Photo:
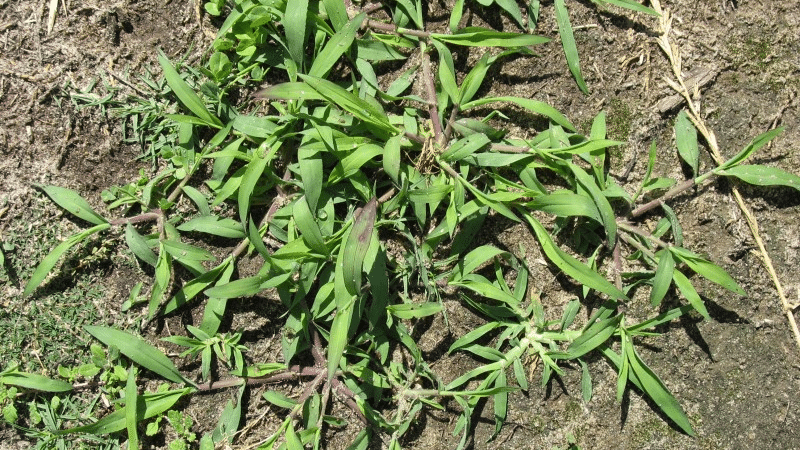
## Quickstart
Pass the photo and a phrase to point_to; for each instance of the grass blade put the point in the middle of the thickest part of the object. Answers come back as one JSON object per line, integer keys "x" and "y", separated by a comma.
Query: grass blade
{"x": 655, "y": 389}
{"x": 336, "y": 47}
{"x": 686, "y": 141}
{"x": 531, "y": 105}
{"x": 132, "y": 414}
{"x": 294, "y": 26}
{"x": 73, "y": 203}
{"x": 663, "y": 277}
{"x": 186, "y": 94}
{"x": 757, "y": 142}
{"x": 356, "y": 246}
{"x": 34, "y": 381}
{"x": 139, "y": 351}
{"x": 568, "y": 43}
{"x": 685, "y": 286}
{"x": 483, "y": 37}
{"x": 707, "y": 269}
{"x": 571, "y": 266}
{"x": 52, "y": 258}
{"x": 762, "y": 176}
{"x": 630, "y": 4}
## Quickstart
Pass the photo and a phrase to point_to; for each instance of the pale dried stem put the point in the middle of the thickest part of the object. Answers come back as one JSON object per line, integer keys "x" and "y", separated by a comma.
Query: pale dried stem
{"x": 673, "y": 54}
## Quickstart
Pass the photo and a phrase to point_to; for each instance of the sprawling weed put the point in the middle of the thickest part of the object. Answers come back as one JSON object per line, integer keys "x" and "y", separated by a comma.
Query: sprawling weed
{"x": 362, "y": 200}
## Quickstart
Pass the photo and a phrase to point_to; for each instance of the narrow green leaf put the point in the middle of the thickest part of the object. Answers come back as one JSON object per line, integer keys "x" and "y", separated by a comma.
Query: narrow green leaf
{"x": 529, "y": 104}
{"x": 52, "y": 258}
{"x": 294, "y": 26}
{"x": 609, "y": 219}
{"x": 336, "y": 46}
{"x": 356, "y": 245}
{"x": 34, "y": 381}
{"x": 707, "y": 269}
{"x": 254, "y": 126}
{"x": 296, "y": 90}
{"x": 73, "y": 203}
{"x": 630, "y": 4}
{"x": 338, "y": 337}
{"x": 686, "y": 141}
{"x": 186, "y": 94}
{"x": 255, "y": 168}
{"x": 139, "y": 351}
{"x": 566, "y": 204}
{"x": 757, "y": 142}
{"x": 655, "y": 389}
{"x": 198, "y": 198}
{"x": 308, "y": 226}
{"x": 337, "y": 13}
{"x": 455, "y": 15}
{"x": 597, "y": 334}
{"x": 571, "y": 266}
{"x": 214, "y": 225}
{"x": 762, "y": 176}
{"x": 568, "y": 44}
{"x": 472, "y": 336}
{"x": 414, "y": 310}
{"x": 311, "y": 174}
{"x": 465, "y": 147}
{"x": 586, "y": 382}
{"x": 361, "y": 109}
{"x": 180, "y": 250}
{"x": 391, "y": 158}
{"x": 663, "y": 277}
{"x": 483, "y": 37}
{"x": 685, "y": 287}
{"x": 132, "y": 410}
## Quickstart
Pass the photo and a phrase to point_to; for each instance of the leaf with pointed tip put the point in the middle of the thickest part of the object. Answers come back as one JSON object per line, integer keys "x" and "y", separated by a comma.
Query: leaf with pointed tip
{"x": 139, "y": 351}
{"x": 73, "y": 203}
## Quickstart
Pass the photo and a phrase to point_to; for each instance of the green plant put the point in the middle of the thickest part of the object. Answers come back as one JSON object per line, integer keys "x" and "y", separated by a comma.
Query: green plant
{"x": 363, "y": 205}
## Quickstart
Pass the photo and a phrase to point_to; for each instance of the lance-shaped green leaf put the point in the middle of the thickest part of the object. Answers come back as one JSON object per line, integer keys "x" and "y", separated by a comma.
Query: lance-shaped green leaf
{"x": 475, "y": 259}
{"x": 529, "y": 104}
{"x": 214, "y": 225}
{"x": 296, "y": 90}
{"x": 308, "y": 226}
{"x": 757, "y": 142}
{"x": 195, "y": 286}
{"x": 685, "y": 286}
{"x": 52, "y": 258}
{"x": 247, "y": 286}
{"x": 133, "y": 408}
{"x": 592, "y": 337}
{"x": 762, "y": 176}
{"x": 465, "y": 147}
{"x": 186, "y": 94}
{"x": 414, "y": 310}
{"x": 356, "y": 246}
{"x": 391, "y": 158}
{"x": 361, "y": 109}
{"x": 336, "y": 46}
{"x": 571, "y": 266}
{"x": 310, "y": 162}
{"x": 73, "y": 203}
{"x": 630, "y": 4}
{"x": 180, "y": 250}
{"x": 609, "y": 219}
{"x": 663, "y": 277}
{"x": 294, "y": 26}
{"x": 163, "y": 274}
{"x": 483, "y": 37}
{"x": 707, "y": 269}
{"x": 686, "y": 141}
{"x": 33, "y": 381}
{"x": 255, "y": 168}
{"x": 655, "y": 389}
{"x": 139, "y": 351}
{"x": 566, "y": 204}
{"x": 339, "y": 336}
{"x": 154, "y": 404}
{"x": 568, "y": 43}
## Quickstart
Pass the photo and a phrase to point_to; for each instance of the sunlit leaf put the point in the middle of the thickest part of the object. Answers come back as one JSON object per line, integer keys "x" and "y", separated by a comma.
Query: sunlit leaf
{"x": 568, "y": 43}
{"x": 73, "y": 203}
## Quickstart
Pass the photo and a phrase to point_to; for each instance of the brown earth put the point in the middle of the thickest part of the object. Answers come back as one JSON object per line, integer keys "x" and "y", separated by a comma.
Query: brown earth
{"x": 737, "y": 376}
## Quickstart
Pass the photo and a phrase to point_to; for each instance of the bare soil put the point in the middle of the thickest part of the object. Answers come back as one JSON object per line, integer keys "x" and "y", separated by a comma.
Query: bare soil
{"x": 737, "y": 376}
